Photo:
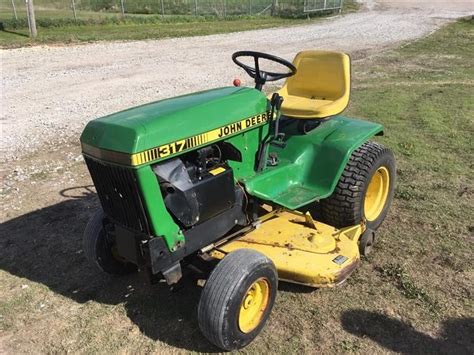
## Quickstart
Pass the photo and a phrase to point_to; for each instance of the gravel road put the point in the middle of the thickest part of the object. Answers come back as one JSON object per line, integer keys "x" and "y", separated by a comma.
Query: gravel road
{"x": 49, "y": 93}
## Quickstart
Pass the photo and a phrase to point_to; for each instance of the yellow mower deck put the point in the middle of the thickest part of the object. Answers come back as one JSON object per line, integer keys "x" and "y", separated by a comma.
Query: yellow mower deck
{"x": 304, "y": 251}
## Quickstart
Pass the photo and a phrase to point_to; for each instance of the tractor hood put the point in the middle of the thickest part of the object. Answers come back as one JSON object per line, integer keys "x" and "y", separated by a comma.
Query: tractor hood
{"x": 154, "y": 124}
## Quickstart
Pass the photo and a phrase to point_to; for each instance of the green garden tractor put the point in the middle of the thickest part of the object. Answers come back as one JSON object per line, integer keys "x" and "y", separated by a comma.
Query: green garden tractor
{"x": 257, "y": 188}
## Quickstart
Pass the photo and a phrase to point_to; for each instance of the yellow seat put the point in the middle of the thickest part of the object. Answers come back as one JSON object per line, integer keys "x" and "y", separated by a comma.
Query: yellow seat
{"x": 321, "y": 86}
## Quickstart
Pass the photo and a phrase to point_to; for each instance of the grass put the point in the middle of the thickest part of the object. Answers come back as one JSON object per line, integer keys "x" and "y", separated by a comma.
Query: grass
{"x": 413, "y": 294}
{"x": 133, "y": 31}
{"x": 397, "y": 274}
{"x": 423, "y": 94}
{"x": 58, "y": 26}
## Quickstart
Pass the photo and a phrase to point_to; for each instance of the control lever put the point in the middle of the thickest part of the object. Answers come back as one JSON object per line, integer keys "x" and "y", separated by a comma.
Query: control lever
{"x": 272, "y": 159}
{"x": 274, "y": 137}
{"x": 278, "y": 137}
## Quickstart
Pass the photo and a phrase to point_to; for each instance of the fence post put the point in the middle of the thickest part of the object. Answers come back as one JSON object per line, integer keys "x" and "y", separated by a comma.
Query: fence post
{"x": 162, "y": 9}
{"x": 73, "y": 3}
{"x": 30, "y": 11}
{"x": 195, "y": 7}
{"x": 122, "y": 8}
{"x": 250, "y": 7}
{"x": 274, "y": 8}
{"x": 225, "y": 8}
{"x": 14, "y": 10}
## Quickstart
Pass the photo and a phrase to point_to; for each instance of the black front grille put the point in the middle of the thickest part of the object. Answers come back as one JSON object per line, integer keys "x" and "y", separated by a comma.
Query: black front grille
{"x": 118, "y": 192}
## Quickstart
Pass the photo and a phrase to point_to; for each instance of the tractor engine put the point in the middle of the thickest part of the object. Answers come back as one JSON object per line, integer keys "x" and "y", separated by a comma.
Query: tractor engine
{"x": 198, "y": 186}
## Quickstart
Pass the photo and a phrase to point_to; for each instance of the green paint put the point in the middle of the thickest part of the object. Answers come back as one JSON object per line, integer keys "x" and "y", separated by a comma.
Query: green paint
{"x": 247, "y": 143}
{"x": 310, "y": 165}
{"x": 151, "y": 125}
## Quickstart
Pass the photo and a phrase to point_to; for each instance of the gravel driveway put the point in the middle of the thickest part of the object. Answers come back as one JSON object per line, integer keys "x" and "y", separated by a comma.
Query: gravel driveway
{"x": 49, "y": 93}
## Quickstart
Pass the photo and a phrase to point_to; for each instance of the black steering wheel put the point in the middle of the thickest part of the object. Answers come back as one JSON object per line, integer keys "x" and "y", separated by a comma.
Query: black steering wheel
{"x": 262, "y": 76}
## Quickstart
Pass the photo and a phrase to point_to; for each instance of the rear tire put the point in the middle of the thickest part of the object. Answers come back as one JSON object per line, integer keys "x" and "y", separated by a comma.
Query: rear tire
{"x": 237, "y": 299}
{"x": 98, "y": 249}
{"x": 365, "y": 189}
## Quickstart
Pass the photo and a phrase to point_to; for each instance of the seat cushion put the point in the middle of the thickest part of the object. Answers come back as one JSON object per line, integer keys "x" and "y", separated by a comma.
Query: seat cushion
{"x": 298, "y": 106}
{"x": 321, "y": 86}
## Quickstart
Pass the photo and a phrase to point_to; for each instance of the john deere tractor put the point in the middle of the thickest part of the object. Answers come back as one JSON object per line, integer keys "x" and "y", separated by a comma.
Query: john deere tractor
{"x": 258, "y": 188}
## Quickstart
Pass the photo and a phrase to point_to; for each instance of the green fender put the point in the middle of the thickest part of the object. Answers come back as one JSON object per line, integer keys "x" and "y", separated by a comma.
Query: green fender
{"x": 310, "y": 165}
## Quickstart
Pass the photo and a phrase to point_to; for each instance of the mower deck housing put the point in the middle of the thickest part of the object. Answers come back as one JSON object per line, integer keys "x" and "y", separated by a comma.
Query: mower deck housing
{"x": 304, "y": 251}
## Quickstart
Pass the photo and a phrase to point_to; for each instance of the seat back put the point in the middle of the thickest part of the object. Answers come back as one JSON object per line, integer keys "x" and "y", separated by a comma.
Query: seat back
{"x": 320, "y": 75}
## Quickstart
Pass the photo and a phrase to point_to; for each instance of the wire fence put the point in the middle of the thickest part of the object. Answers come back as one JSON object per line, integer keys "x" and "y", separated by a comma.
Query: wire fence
{"x": 77, "y": 9}
{"x": 322, "y": 5}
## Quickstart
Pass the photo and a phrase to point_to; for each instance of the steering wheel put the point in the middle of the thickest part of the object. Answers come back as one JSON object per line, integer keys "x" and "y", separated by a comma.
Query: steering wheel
{"x": 262, "y": 76}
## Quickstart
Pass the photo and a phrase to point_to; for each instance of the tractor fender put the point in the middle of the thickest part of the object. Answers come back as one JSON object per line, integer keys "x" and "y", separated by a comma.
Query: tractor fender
{"x": 310, "y": 165}
{"x": 334, "y": 151}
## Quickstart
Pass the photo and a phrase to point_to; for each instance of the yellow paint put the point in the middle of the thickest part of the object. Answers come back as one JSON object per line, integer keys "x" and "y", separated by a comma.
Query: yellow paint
{"x": 253, "y": 305}
{"x": 377, "y": 194}
{"x": 217, "y": 171}
{"x": 321, "y": 86}
{"x": 179, "y": 146}
{"x": 302, "y": 254}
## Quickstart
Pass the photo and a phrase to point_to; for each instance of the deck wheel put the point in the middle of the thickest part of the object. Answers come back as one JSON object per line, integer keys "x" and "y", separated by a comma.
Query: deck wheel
{"x": 366, "y": 242}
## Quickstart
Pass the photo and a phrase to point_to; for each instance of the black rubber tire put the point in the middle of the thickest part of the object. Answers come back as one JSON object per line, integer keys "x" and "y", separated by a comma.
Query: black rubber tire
{"x": 345, "y": 207}
{"x": 366, "y": 242}
{"x": 224, "y": 292}
{"x": 98, "y": 250}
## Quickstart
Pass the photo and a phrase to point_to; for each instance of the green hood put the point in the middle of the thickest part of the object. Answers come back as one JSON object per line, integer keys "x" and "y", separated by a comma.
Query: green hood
{"x": 151, "y": 125}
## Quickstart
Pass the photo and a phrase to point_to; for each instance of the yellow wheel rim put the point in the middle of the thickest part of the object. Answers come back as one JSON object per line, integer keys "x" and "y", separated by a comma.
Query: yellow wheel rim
{"x": 377, "y": 194}
{"x": 253, "y": 305}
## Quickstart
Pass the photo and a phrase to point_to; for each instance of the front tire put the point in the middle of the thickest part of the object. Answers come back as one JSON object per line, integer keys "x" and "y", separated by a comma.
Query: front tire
{"x": 237, "y": 299}
{"x": 99, "y": 250}
{"x": 365, "y": 189}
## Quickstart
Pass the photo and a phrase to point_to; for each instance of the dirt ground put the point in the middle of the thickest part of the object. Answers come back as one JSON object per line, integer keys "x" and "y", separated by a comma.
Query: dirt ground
{"x": 453, "y": 5}
{"x": 51, "y": 300}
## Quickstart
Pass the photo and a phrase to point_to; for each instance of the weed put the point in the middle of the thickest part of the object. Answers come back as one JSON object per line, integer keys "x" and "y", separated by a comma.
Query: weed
{"x": 403, "y": 281}
{"x": 408, "y": 192}
{"x": 349, "y": 346}
{"x": 40, "y": 175}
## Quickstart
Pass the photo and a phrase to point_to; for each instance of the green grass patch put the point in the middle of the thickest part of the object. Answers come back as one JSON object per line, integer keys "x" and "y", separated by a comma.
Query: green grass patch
{"x": 115, "y": 19}
{"x": 59, "y": 26}
{"x": 403, "y": 281}
{"x": 129, "y": 30}
{"x": 423, "y": 93}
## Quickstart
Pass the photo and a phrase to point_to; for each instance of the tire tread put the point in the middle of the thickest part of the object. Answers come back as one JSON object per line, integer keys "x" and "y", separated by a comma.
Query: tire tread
{"x": 224, "y": 281}
{"x": 90, "y": 237}
{"x": 343, "y": 208}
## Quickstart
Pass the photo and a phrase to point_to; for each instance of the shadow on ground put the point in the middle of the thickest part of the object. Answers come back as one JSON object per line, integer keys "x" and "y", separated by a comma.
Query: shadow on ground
{"x": 395, "y": 335}
{"x": 3, "y": 29}
{"x": 44, "y": 246}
